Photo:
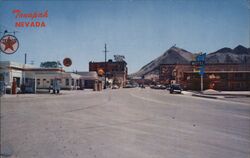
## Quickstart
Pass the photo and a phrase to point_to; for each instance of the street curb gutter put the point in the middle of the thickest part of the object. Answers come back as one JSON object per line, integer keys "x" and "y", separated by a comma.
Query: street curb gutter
{"x": 204, "y": 96}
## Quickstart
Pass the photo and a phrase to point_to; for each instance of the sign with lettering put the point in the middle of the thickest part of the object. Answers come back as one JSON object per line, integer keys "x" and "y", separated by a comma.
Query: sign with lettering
{"x": 119, "y": 57}
{"x": 100, "y": 72}
{"x": 197, "y": 63}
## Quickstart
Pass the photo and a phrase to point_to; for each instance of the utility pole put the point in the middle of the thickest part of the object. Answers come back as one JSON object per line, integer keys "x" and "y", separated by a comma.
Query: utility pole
{"x": 25, "y": 58}
{"x": 105, "y": 69}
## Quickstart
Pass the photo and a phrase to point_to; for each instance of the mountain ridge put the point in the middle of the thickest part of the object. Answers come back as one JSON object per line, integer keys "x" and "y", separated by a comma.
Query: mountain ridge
{"x": 176, "y": 55}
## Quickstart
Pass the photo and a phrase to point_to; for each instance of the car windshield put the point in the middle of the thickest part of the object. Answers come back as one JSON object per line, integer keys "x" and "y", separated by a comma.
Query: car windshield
{"x": 176, "y": 86}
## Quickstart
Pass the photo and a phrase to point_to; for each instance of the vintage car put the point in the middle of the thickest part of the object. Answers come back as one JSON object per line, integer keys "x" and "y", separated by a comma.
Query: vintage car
{"x": 175, "y": 88}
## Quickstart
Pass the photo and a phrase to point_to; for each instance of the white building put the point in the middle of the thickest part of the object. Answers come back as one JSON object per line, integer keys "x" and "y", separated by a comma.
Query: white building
{"x": 38, "y": 78}
{"x": 69, "y": 81}
{"x": 12, "y": 70}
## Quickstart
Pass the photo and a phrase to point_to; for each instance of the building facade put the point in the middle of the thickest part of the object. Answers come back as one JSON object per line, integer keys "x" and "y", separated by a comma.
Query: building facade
{"x": 12, "y": 71}
{"x": 116, "y": 72}
{"x": 67, "y": 81}
{"x": 33, "y": 78}
{"x": 217, "y": 76}
{"x": 88, "y": 79}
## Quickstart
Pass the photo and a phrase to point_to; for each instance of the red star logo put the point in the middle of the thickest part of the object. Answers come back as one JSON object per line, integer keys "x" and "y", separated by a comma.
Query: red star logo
{"x": 9, "y": 44}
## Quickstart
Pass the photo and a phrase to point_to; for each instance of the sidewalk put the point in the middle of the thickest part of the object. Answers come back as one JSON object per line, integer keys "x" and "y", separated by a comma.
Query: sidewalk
{"x": 45, "y": 93}
{"x": 213, "y": 94}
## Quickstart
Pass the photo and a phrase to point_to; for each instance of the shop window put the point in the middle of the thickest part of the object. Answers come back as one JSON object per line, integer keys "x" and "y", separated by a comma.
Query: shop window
{"x": 72, "y": 82}
{"x": 223, "y": 76}
{"x": 238, "y": 76}
{"x": 1, "y": 77}
{"x": 248, "y": 76}
{"x": 38, "y": 81}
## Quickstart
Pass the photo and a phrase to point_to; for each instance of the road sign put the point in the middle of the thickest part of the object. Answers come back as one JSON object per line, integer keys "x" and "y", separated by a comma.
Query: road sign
{"x": 9, "y": 44}
{"x": 196, "y": 70}
{"x": 200, "y": 63}
{"x": 197, "y": 63}
{"x": 100, "y": 72}
{"x": 119, "y": 58}
{"x": 67, "y": 62}
{"x": 201, "y": 57}
{"x": 202, "y": 70}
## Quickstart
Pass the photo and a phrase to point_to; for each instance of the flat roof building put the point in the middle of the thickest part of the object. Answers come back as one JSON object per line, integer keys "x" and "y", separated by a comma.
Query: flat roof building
{"x": 116, "y": 71}
{"x": 217, "y": 76}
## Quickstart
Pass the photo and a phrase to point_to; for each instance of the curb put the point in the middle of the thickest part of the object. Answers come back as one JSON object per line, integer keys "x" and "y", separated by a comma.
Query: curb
{"x": 205, "y": 96}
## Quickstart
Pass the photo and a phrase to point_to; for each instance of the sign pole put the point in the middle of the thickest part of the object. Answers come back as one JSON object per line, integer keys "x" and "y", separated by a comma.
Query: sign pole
{"x": 201, "y": 83}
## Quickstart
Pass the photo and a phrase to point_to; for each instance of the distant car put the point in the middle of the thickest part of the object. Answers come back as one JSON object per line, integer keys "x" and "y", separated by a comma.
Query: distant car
{"x": 135, "y": 85}
{"x": 142, "y": 86}
{"x": 152, "y": 86}
{"x": 175, "y": 88}
{"x": 115, "y": 87}
{"x": 168, "y": 87}
{"x": 129, "y": 86}
{"x": 158, "y": 87}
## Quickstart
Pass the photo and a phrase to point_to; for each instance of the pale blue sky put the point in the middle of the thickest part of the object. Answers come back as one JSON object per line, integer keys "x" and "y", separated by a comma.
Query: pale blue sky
{"x": 140, "y": 30}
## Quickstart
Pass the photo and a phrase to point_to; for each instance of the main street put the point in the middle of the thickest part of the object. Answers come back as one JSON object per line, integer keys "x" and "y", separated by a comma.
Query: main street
{"x": 124, "y": 123}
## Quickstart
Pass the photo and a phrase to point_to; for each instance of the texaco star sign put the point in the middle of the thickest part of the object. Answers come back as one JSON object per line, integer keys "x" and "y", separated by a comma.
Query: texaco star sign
{"x": 9, "y": 44}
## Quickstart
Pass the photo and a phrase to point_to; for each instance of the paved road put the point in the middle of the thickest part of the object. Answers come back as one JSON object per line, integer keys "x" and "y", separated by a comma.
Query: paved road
{"x": 124, "y": 123}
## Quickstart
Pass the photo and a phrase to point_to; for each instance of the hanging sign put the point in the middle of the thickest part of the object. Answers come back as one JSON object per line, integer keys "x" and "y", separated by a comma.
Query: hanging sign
{"x": 9, "y": 44}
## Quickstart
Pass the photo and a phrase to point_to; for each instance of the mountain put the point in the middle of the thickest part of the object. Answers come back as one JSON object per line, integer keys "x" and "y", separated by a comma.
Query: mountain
{"x": 175, "y": 55}
{"x": 239, "y": 55}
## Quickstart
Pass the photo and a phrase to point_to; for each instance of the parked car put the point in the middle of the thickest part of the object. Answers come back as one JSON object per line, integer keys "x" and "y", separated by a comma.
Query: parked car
{"x": 142, "y": 86}
{"x": 115, "y": 87}
{"x": 129, "y": 86}
{"x": 158, "y": 87}
{"x": 135, "y": 85}
{"x": 168, "y": 87}
{"x": 175, "y": 88}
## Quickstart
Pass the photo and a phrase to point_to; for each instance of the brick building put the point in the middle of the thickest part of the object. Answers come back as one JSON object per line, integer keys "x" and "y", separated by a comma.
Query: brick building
{"x": 217, "y": 76}
{"x": 116, "y": 71}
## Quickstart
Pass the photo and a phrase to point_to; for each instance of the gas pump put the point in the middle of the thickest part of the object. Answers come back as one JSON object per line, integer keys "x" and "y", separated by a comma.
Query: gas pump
{"x": 56, "y": 86}
{"x": 14, "y": 86}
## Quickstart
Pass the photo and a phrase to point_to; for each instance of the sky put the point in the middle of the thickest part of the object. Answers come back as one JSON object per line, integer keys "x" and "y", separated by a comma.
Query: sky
{"x": 141, "y": 30}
